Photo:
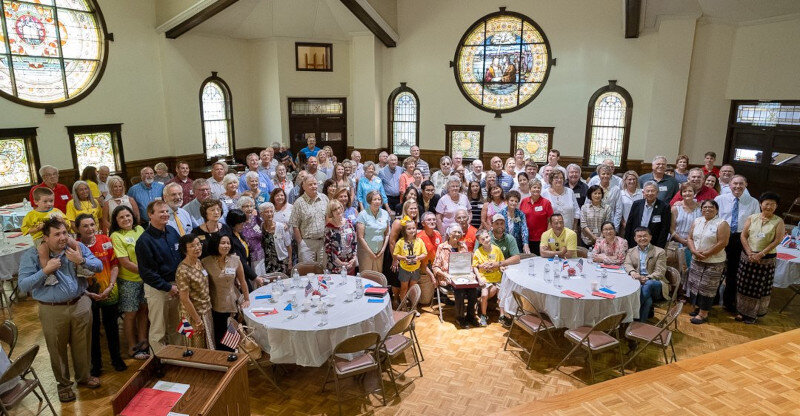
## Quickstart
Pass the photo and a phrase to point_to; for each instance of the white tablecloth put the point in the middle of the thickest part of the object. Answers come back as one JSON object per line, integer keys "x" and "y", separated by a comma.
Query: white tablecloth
{"x": 300, "y": 340}
{"x": 566, "y": 311}
{"x": 11, "y": 253}
{"x": 787, "y": 271}
{"x": 11, "y": 218}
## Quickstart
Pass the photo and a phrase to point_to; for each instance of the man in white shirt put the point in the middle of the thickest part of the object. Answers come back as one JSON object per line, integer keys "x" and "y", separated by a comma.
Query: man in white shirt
{"x": 734, "y": 207}
{"x": 553, "y": 157}
{"x": 218, "y": 171}
{"x": 179, "y": 219}
{"x": 476, "y": 173}
{"x": 268, "y": 162}
{"x": 421, "y": 164}
{"x": 383, "y": 160}
{"x": 355, "y": 156}
{"x": 102, "y": 177}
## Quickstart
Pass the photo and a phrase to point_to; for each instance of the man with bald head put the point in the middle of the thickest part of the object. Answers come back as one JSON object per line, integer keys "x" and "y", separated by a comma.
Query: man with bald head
{"x": 62, "y": 194}
{"x": 701, "y": 192}
{"x": 179, "y": 218}
{"x": 146, "y": 191}
{"x": 616, "y": 181}
{"x": 355, "y": 156}
{"x": 504, "y": 180}
{"x": 308, "y": 222}
{"x": 103, "y": 173}
{"x": 667, "y": 185}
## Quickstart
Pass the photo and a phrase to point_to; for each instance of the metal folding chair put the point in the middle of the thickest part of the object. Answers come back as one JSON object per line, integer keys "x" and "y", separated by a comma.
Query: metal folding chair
{"x": 796, "y": 290}
{"x": 366, "y": 345}
{"x": 595, "y": 340}
{"x": 658, "y": 334}
{"x": 409, "y": 304}
{"x": 22, "y": 368}
{"x": 376, "y": 277}
{"x": 396, "y": 343}
{"x": 8, "y": 335}
{"x": 532, "y": 321}
{"x": 308, "y": 267}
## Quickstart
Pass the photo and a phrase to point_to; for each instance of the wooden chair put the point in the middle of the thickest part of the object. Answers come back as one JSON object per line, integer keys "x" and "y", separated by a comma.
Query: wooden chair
{"x": 9, "y": 335}
{"x": 792, "y": 216}
{"x": 409, "y": 304}
{"x": 582, "y": 252}
{"x": 364, "y": 363}
{"x": 308, "y": 267}
{"x": 376, "y": 277}
{"x": 658, "y": 334}
{"x": 21, "y": 368}
{"x": 532, "y": 321}
{"x": 595, "y": 340}
{"x": 395, "y": 343}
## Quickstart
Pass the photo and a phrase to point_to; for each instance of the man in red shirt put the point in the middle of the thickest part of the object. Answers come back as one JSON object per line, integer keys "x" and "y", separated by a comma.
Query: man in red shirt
{"x": 462, "y": 219}
{"x": 537, "y": 212}
{"x": 702, "y": 192}
{"x": 182, "y": 179}
{"x": 61, "y": 193}
{"x": 709, "y": 167}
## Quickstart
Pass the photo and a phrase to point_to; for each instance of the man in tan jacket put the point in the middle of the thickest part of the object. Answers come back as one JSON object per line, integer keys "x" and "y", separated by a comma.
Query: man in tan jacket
{"x": 647, "y": 264}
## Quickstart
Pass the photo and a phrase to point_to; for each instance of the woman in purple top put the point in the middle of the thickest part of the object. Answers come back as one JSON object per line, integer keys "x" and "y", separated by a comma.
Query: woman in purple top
{"x": 252, "y": 234}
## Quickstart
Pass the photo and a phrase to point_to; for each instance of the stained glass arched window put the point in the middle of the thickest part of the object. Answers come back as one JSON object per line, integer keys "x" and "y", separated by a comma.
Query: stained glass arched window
{"x": 502, "y": 62}
{"x": 52, "y": 52}
{"x": 403, "y": 120}
{"x": 18, "y": 158}
{"x": 216, "y": 113}
{"x": 608, "y": 125}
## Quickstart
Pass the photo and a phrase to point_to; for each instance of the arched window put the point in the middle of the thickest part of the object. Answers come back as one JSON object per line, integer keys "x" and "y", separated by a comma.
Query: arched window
{"x": 216, "y": 113}
{"x": 608, "y": 125}
{"x": 51, "y": 53}
{"x": 403, "y": 120}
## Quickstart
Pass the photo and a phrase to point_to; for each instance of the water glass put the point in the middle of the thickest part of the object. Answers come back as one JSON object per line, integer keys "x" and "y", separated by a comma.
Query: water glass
{"x": 604, "y": 278}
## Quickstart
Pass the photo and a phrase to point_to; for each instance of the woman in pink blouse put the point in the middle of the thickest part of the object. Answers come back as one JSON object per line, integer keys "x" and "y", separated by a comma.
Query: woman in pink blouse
{"x": 610, "y": 249}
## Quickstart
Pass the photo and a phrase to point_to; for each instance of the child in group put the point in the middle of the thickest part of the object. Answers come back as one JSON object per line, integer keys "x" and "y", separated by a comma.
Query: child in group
{"x": 486, "y": 262}
{"x": 708, "y": 164}
{"x": 409, "y": 252}
{"x": 34, "y": 220}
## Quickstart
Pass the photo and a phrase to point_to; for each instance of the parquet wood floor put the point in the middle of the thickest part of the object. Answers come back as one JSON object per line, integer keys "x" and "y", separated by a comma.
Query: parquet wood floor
{"x": 466, "y": 372}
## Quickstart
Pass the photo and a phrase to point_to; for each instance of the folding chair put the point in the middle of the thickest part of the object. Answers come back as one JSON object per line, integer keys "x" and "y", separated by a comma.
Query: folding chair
{"x": 409, "y": 304}
{"x": 595, "y": 340}
{"x": 8, "y": 335}
{"x": 674, "y": 278}
{"x": 255, "y": 354}
{"x": 368, "y": 361}
{"x": 308, "y": 267}
{"x": 396, "y": 343}
{"x": 271, "y": 277}
{"x": 530, "y": 320}
{"x": 796, "y": 290}
{"x": 21, "y": 368}
{"x": 658, "y": 334}
{"x": 582, "y": 252}
{"x": 376, "y": 277}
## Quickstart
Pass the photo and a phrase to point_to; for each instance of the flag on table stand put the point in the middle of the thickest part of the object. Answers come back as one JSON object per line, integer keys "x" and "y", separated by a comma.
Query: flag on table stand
{"x": 580, "y": 266}
{"x": 565, "y": 265}
{"x": 185, "y": 328}
{"x": 232, "y": 337}
{"x": 786, "y": 240}
{"x": 309, "y": 289}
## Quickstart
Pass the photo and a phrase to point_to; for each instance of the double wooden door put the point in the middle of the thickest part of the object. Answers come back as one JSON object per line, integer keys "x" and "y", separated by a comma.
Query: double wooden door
{"x": 324, "y": 119}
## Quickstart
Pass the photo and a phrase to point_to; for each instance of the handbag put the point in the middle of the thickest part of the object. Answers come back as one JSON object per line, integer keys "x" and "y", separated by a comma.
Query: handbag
{"x": 247, "y": 344}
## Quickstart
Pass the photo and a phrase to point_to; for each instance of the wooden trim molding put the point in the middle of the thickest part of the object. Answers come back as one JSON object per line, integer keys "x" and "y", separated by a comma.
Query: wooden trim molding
{"x": 198, "y": 17}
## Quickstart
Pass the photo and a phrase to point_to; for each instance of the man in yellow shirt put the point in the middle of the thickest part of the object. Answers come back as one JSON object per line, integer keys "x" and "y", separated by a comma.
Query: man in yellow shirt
{"x": 34, "y": 220}
{"x": 486, "y": 262}
{"x": 558, "y": 241}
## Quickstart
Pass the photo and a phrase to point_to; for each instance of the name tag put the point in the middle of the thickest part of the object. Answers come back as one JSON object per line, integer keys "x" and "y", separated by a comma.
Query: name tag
{"x": 107, "y": 245}
{"x": 129, "y": 240}
{"x": 201, "y": 237}
{"x": 538, "y": 209}
{"x": 656, "y": 218}
{"x": 551, "y": 240}
{"x": 713, "y": 230}
{"x": 662, "y": 188}
{"x": 205, "y": 273}
{"x": 577, "y": 196}
{"x": 761, "y": 235}
{"x": 262, "y": 184}
{"x": 158, "y": 198}
{"x": 176, "y": 246}
{"x": 227, "y": 200}
{"x": 256, "y": 228}
{"x": 191, "y": 192}
{"x": 230, "y": 270}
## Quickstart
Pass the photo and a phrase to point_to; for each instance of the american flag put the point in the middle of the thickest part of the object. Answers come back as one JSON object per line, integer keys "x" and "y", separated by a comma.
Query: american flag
{"x": 580, "y": 265}
{"x": 232, "y": 337}
{"x": 309, "y": 289}
{"x": 185, "y": 328}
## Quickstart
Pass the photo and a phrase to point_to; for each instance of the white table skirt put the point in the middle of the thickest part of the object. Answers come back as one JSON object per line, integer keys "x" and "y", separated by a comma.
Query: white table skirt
{"x": 299, "y": 340}
{"x": 564, "y": 310}
{"x": 11, "y": 218}
{"x": 10, "y": 258}
{"x": 787, "y": 272}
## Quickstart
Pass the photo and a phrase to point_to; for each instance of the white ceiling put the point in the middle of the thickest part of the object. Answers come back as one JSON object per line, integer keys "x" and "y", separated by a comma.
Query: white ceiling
{"x": 739, "y": 12}
{"x": 261, "y": 19}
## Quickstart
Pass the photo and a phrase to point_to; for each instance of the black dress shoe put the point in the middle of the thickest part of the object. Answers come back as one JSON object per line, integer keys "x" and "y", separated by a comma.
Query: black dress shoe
{"x": 695, "y": 312}
{"x": 462, "y": 323}
{"x": 473, "y": 321}
{"x": 120, "y": 366}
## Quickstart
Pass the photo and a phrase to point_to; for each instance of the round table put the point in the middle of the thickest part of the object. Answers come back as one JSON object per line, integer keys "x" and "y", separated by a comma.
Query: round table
{"x": 301, "y": 340}
{"x": 11, "y": 253}
{"x": 564, "y": 310}
{"x": 11, "y": 216}
{"x": 787, "y": 267}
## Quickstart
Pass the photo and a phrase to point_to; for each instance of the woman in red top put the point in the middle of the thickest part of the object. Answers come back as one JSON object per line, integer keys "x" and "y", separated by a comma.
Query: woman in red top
{"x": 537, "y": 211}
{"x": 432, "y": 239}
{"x": 407, "y": 177}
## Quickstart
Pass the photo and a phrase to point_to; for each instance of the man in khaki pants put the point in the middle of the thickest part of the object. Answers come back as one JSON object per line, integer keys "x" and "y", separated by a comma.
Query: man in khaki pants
{"x": 65, "y": 313}
{"x": 158, "y": 258}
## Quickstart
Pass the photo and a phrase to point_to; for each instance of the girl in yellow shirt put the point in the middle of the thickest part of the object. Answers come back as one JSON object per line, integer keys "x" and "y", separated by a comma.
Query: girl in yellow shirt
{"x": 409, "y": 252}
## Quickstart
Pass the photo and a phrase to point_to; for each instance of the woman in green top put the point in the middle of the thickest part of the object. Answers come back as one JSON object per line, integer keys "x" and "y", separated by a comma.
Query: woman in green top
{"x": 761, "y": 235}
{"x": 132, "y": 304}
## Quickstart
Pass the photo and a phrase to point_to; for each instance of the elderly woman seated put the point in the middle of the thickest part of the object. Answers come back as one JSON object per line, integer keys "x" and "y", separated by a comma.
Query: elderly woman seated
{"x": 441, "y": 271}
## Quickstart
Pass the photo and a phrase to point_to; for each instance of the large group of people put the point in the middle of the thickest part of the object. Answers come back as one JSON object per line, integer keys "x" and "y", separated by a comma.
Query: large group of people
{"x": 172, "y": 247}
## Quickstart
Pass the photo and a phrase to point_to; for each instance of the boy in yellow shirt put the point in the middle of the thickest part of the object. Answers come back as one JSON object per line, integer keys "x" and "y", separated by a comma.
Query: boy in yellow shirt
{"x": 408, "y": 254}
{"x": 34, "y": 220}
{"x": 486, "y": 262}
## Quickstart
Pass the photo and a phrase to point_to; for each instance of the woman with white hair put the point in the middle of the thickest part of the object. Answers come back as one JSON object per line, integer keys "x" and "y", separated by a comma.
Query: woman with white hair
{"x": 629, "y": 193}
{"x": 162, "y": 173}
{"x": 251, "y": 179}
{"x": 82, "y": 202}
{"x": 252, "y": 234}
{"x": 116, "y": 197}
{"x": 450, "y": 203}
{"x": 441, "y": 272}
{"x": 441, "y": 176}
{"x": 276, "y": 240}
{"x": 231, "y": 195}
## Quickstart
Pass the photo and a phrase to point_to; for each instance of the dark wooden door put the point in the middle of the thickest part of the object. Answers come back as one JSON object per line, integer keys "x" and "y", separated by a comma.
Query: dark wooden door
{"x": 324, "y": 119}
{"x": 764, "y": 145}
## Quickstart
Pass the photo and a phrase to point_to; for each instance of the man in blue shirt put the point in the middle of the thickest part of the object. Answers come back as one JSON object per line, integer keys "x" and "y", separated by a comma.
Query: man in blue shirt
{"x": 158, "y": 258}
{"x": 264, "y": 181}
{"x": 503, "y": 179}
{"x": 390, "y": 176}
{"x": 312, "y": 148}
{"x": 64, "y": 310}
{"x": 146, "y": 191}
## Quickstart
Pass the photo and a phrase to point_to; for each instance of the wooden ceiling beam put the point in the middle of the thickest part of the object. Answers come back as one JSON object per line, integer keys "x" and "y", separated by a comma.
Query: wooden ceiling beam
{"x": 361, "y": 14}
{"x": 633, "y": 18}
{"x": 198, "y": 18}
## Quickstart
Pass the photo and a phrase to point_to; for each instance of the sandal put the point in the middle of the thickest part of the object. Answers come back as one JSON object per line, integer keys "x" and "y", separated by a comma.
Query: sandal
{"x": 695, "y": 312}
{"x": 91, "y": 382}
{"x": 66, "y": 395}
{"x": 697, "y": 320}
{"x": 140, "y": 355}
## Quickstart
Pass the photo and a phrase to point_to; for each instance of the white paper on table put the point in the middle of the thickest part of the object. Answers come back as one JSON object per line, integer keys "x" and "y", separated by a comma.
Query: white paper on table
{"x": 176, "y": 414}
{"x": 173, "y": 387}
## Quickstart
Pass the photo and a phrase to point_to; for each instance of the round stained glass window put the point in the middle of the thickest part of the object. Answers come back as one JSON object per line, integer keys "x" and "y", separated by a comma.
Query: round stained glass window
{"x": 502, "y": 62}
{"x": 52, "y": 52}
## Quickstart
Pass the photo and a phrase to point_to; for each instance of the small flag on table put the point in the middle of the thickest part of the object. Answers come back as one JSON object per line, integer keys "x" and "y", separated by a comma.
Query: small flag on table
{"x": 565, "y": 265}
{"x": 580, "y": 266}
{"x": 309, "y": 289}
{"x": 785, "y": 240}
{"x": 232, "y": 337}
{"x": 185, "y": 328}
